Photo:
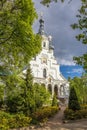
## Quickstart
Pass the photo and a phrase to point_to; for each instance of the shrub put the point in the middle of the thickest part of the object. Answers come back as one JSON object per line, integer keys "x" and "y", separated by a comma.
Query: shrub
{"x": 4, "y": 120}
{"x": 44, "y": 113}
{"x": 69, "y": 114}
{"x": 72, "y": 115}
{"x": 73, "y": 100}
{"x": 8, "y": 121}
{"x": 19, "y": 120}
{"x": 84, "y": 106}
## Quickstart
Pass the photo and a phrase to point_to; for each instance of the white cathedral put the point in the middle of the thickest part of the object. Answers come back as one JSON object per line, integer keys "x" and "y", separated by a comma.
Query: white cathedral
{"x": 46, "y": 70}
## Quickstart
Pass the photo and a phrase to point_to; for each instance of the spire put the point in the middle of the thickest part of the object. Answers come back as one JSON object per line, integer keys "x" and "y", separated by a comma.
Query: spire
{"x": 41, "y": 28}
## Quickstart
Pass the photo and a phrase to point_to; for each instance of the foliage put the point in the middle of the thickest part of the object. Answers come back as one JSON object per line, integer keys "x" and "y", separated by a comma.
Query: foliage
{"x": 42, "y": 97}
{"x": 47, "y": 2}
{"x": 54, "y": 101}
{"x": 19, "y": 120}
{"x": 21, "y": 95}
{"x": 29, "y": 92}
{"x": 80, "y": 85}
{"x": 43, "y": 113}
{"x": 84, "y": 106}
{"x": 2, "y": 87}
{"x": 35, "y": 95}
{"x": 82, "y": 26}
{"x": 12, "y": 93}
{"x": 16, "y": 37}
{"x": 73, "y": 100}
{"x": 69, "y": 114}
{"x": 8, "y": 121}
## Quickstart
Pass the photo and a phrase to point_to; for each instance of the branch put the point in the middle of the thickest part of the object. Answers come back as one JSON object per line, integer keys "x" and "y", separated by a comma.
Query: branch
{"x": 8, "y": 37}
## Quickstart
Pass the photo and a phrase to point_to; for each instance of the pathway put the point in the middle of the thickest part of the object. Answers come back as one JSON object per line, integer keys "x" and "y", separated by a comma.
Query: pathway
{"x": 56, "y": 123}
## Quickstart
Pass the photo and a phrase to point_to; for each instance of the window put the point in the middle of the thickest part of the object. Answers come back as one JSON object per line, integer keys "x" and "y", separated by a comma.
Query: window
{"x": 44, "y": 73}
{"x": 44, "y": 44}
{"x": 61, "y": 90}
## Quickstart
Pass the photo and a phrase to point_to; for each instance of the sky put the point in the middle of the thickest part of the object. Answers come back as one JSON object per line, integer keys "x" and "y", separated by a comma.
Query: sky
{"x": 58, "y": 17}
{"x": 71, "y": 71}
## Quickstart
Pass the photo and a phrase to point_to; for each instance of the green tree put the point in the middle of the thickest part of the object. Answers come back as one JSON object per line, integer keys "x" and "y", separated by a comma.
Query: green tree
{"x": 2, "y": 87}
{"x": 29, "y": 92}
{"x": 80, "y": 85}
{"x": 84, "y": 88}
{"x": 18, "y": 43}
{"x": 54, "y": 100}
{"x": 82, "y": 26}
{"x": 73, "y": 100}
{"x": 41, "y": 96}
{"x": 13, "y": 90}
{"x": 19, "y": 93}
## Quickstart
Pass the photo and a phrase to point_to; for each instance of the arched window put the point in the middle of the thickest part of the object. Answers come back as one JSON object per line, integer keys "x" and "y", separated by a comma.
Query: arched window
{"x": 44, "y": 44}
{"x": 44, "y": 73}
{"x": 61, "y": 90}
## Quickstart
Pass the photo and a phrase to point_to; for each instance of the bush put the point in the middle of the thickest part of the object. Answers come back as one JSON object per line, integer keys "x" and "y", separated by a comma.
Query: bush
{"x": 44, "y": 113}
{"x": 69, "y": 114}
{"x": 19, "y": 120}
{"x": 84, "y": 106}
{"x": 4, "y": 117}
{"x": 8, "y": 121}
{"x": 73, "y": 115}
{"x": 73, "y": 100}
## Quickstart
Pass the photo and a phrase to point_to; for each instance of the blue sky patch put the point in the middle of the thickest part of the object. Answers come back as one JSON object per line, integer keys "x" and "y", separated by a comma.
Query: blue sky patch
{"x": 71, "y": 71}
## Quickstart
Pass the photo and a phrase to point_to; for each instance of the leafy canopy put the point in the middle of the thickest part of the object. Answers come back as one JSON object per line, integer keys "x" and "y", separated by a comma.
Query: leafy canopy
{"x": 82, "y": 26}
{"x": 18, "y": 43}
{"x": 80, "y": 85}
{"x": 47, "y": 2}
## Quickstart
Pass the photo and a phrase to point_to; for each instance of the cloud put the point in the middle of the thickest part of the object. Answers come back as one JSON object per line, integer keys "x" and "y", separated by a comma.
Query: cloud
{"x": 58, "y": 18}
{"x": 66, "y": 62}
{"x": 76, "y": 70}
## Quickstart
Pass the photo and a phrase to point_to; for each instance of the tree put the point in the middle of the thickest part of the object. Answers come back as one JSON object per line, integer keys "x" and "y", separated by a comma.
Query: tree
{"x": 47, "y": 2}
{"x": 80, "y": 85}
{"x": 18, "y": 43}
{"x": 54, "y": 100}
{"x": 13, "y": 90}
{"x": 41, "y": 96}
{"x": 84, "y": 88}
{"x": 19, "y": 93}
{"x": 29, "y": 92}
{"x": 82, "y": 26}
{"x": 73, "y": 100}
{"x": 24, "y": 96}
{"x": 2, "y": 87}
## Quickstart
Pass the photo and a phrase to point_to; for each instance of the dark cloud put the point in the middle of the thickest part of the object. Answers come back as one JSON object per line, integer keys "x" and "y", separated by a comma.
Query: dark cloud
{"x": 58, "y": 18}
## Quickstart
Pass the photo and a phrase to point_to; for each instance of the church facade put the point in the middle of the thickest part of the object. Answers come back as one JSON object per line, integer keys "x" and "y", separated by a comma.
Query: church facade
{"x": 46, "y": 70}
